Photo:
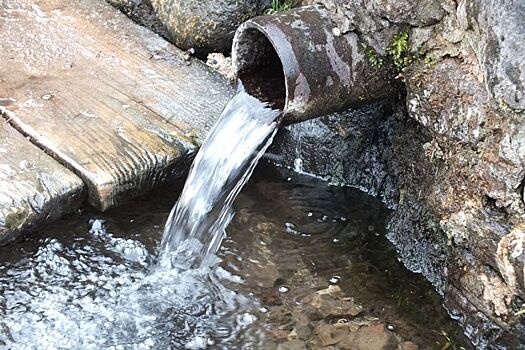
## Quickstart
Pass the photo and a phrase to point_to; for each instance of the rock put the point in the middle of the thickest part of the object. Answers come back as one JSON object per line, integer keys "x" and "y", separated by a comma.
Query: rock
{"x": 447, "y": 99}
{"x": 329, "y": 334}
{"x": 496, "y": 32}
{"x": 221, "y": 64}
{"x": 330, "y": 307}
{"x": 205, "y": 25}
{"x": 302, "y": 332}
{"x": 374, "y": 337}
{"x": 408, "y": 345}
{"x": 417, "y": 13}
{"x": 292, "y": 345}
{"x": 511, "y": 258}
{"x": 141, "y": 12}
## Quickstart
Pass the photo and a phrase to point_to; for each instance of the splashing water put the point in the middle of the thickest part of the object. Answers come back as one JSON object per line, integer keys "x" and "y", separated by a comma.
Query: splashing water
{"x": 196, "y": 225}
{"x": 102, "y": 292}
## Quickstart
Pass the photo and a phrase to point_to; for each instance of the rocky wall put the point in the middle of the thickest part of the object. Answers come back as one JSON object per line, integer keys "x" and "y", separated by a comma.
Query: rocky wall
{"x": 449, "y": 157}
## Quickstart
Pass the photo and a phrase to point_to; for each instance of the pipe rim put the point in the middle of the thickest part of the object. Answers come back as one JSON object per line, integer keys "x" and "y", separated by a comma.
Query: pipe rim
{"x": 270, "y": 34}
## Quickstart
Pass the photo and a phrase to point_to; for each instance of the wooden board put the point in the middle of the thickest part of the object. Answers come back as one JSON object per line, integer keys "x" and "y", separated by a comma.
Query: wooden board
{"x": 112, "y": 101}
{"x": 33, "y": 186}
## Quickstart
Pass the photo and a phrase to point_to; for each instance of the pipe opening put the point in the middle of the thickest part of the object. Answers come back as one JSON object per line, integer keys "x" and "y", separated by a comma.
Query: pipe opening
{"x": 259, "y": 68}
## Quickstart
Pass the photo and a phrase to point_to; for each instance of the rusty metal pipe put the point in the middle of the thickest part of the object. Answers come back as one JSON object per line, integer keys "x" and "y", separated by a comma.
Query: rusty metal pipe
{"x": 299, "y": 61}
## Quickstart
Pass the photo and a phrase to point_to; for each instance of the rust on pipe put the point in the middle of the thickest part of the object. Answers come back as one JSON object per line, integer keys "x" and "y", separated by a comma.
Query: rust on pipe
{"x": 298, "y": 61}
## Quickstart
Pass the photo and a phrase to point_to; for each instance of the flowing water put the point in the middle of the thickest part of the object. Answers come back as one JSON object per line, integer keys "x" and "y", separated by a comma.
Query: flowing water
{"x": 196, "y": 225}
{"x": 89, "y": 281}
{"x": 304, "y": 265}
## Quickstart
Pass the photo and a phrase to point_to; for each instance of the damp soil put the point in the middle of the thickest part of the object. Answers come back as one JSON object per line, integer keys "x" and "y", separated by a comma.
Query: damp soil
{"x": 305, "y": 265}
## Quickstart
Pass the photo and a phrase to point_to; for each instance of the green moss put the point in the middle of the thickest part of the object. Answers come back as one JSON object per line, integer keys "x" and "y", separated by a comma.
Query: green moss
{"x": 279, "y": 5}
{"x": 372, "y": 57}
{"x": 399, "y": 49}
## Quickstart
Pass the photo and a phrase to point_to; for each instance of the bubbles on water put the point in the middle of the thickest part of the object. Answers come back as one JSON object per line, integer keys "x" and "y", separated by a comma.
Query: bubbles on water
{"x": 283, "y": 289}
{"x": 334, "y": 279}
{"x": 98, "y": 292}
{"x": 391, "y": 327}
{"x": 246, "y": 319}
{"x": 196, "y": 343}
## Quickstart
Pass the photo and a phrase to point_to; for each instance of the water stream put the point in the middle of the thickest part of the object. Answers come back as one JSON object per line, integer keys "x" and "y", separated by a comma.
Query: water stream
{"x": 196, "y": 225}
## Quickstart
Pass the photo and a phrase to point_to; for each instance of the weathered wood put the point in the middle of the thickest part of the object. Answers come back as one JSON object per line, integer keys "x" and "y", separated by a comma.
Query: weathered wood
{"x": 111, "y": 100}
{"x": 33, "y": 186}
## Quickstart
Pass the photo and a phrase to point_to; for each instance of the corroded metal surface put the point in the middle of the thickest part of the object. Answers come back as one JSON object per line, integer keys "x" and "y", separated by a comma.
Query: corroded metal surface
{"x": 115, "y": 102}
{"x": 324, "y": 71}
{"x": 33, "y": 186}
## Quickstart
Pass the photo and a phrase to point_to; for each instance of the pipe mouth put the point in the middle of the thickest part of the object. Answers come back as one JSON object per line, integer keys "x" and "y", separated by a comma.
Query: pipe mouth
{"x": 258, "y": 66}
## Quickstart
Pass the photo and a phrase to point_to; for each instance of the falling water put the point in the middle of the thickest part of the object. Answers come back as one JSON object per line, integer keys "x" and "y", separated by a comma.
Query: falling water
{"x": 196, "y": 225}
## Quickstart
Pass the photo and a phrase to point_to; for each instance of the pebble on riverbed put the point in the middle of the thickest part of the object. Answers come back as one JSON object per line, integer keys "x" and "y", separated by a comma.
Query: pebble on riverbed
{"x": 329, "y": 319}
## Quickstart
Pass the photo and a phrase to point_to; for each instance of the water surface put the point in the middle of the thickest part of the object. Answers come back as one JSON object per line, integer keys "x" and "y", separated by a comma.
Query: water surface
{"x": 84, "y": 284}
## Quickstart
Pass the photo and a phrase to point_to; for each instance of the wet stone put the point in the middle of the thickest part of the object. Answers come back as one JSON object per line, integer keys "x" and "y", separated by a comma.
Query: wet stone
{"x": 331, "y": 307}
{"x": 374, "y": 337}
{"x": 329, "y": 334}
{"x": 292, "y": 345}
{"x": 408, "y": 345}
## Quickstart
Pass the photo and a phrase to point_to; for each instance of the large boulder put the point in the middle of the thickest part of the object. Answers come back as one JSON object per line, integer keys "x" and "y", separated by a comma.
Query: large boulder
{"x": 206, "y": 25}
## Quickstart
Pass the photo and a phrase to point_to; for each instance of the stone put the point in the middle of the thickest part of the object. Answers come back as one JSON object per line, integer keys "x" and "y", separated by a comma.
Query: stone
{"x": 303, "y": 332}
{"x": 511, "y": 259}
{"x": 408, "y": 345}
{"x": 292, "y": 345}
{"x": 205, "y": 25}
{"x": 331, "y": 307}
{"x": 329, "y": 334}
{"x": 374, "y": 337}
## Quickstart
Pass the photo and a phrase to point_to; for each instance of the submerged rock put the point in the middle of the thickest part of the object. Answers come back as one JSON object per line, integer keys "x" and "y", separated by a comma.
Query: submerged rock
{"x": 206, "y": 25}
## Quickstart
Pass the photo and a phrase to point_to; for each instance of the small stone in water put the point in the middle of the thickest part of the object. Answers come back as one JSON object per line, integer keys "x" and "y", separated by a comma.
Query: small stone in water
{"x": 391, "y": 327}
{"x": 334, "y": 279}
{"x": 283, "y": 289}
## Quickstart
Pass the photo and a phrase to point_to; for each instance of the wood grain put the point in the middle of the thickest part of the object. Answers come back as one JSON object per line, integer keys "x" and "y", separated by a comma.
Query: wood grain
{"x": 33, "y": 186}
{"x": 112, "y": 101}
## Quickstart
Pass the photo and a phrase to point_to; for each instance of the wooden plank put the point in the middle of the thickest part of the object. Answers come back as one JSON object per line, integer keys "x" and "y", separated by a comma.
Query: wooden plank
{"x": 33, "y": 186}
{"x": 111, "y": 100}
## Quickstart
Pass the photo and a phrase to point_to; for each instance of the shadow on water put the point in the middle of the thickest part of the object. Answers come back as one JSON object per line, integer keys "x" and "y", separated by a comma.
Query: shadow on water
{"x": 291, "y": 237}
